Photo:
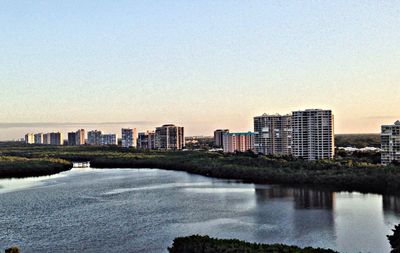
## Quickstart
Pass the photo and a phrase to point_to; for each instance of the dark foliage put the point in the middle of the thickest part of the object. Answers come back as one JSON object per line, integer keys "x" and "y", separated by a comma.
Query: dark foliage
{"x": 12, "y": 250}
{"x": 341, "y": 174}
{"x": 205, "y": 244}
{"x": 358, "y": 140}
{"x": 24, "y": 167}
{"x": 395, "y": 239}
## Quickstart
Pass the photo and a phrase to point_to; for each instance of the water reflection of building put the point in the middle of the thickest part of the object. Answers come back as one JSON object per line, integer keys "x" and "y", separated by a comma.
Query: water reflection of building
{"x": 284, "y": 212}
{"x": 313, "y": 199}
{"x": 391, "y": 203}
{"x": 304, "y": 198}
{"x": 263, "y": 194}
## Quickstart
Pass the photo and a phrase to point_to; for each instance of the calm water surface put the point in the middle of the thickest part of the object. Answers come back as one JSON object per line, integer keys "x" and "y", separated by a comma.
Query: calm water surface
{"x": 131, "y": 210}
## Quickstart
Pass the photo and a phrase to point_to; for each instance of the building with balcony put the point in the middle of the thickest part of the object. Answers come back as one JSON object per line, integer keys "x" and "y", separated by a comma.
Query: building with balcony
{"x": 390, "y": 143}
{"x": 108, "y": 139}
{"x": 313, "y": 134}
{"x": 56, "y": 138}
{"x": 94, "y": 138}
{"x": 128, "y": 137}
{"x": 219, "y": 137}
{"x": 238, "y": 142}
{"x": 146, "y": 140}
{"x": 273, "y": 134}
{"x": 169, "y": 137}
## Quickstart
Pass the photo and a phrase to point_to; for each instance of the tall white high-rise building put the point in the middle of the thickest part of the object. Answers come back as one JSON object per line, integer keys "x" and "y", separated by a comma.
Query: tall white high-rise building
{"x": 390, "y": 143}
{"x": 313, "y": 134}
{"x": 128, "y": 137}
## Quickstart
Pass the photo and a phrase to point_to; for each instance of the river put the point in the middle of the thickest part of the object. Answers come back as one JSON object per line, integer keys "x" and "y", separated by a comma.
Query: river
{"x": 143, "y": 210}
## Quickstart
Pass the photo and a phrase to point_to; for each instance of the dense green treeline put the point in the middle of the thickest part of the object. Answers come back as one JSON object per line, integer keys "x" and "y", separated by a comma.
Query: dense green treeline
{"x": 329, "y": 174}
{"x": 11, "y": 166}
{"x": 348, "y": 173}
{"x": 205, "y": 244}
{"x": 358, "y": 140}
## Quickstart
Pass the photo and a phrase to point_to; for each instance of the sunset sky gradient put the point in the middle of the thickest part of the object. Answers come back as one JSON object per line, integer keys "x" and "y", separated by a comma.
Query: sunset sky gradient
{"x": 199, "y": 64}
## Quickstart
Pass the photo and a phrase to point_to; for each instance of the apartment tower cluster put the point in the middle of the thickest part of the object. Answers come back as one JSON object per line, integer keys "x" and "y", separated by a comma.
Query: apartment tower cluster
{"x": 166, "y": 137}
{"x": 47, "y": 138}
{"x": 307, "y": 134}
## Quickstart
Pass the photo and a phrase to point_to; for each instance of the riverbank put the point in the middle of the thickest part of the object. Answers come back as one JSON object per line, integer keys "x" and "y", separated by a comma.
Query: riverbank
{"x": 341, "y": 174}
{"x": 200, "y": 244}
{"x": 18, "y": 167}
{"x": 263, "y": 170}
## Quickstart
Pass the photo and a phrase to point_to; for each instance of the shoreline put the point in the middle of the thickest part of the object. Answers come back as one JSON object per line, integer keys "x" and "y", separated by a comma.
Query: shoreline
{"x": 20, "y": 167}
{"x": 351, "y": 181}
{"x": 335, "y": 175}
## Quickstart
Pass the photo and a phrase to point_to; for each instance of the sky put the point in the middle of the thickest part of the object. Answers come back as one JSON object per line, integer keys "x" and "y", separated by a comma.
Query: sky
{"x": 199, "y": 64}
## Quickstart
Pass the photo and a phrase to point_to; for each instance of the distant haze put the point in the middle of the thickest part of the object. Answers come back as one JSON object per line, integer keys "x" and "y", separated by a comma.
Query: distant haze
{"x": 199, "y": 64}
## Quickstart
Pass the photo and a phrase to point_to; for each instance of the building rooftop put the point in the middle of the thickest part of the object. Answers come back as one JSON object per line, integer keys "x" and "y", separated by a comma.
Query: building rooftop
{"x": 241, "y": 133}
{"x": 271, "y": 115}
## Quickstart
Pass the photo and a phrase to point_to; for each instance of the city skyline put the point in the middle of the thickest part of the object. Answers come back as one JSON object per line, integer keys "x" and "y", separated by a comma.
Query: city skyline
{"x": 18, "y": 130}
{"x": 205, "y": 65}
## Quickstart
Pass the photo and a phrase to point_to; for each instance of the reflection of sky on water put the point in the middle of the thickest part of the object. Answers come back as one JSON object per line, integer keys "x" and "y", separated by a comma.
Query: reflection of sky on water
{"x": 15, "y": 184}
{"x": 154, "y": 206}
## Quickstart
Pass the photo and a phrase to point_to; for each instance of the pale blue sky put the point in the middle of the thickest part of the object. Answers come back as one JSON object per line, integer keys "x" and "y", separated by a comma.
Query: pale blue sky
{"x": 200, "y": 64}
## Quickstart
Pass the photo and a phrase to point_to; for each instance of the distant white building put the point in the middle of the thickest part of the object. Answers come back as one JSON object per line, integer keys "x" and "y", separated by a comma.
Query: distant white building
{"x": 29, "y": 138}
{"x": 128, "y": 137}
{"x": 169, "y": 137}
{"x": 56, "y": 138}
{"x": 39, "y": 138}
{"x": 146, "y": 140}
{"x": 219, "y": 137}
{"x": 108, "y": 139}
{"x": 94, "y": 137}
{"x": 240, "y": 142}
{"x": 390, "y": 143}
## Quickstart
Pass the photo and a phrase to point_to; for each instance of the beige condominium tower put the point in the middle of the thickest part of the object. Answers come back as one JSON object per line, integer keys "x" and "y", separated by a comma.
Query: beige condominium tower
{"x": 273, "y": 134}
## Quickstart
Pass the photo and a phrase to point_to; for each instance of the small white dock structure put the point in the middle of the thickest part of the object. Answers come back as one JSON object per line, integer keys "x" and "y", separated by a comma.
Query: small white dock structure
{"x": 81, "y": 164}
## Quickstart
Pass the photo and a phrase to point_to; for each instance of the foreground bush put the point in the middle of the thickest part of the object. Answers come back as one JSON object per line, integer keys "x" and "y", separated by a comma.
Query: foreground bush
{"x": 205, "y": 244}
{"x": 395, "y": 239}
{"x": 12, "y": 250}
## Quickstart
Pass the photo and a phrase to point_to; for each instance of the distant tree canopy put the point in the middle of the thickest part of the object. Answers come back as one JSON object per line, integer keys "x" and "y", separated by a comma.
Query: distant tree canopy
{"x": 358, "y": 140}
{"x": 205, "y": 244}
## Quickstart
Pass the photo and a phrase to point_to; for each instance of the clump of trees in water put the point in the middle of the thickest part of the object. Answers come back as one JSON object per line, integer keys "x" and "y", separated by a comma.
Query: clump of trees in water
{"x": 205, "y": 244}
